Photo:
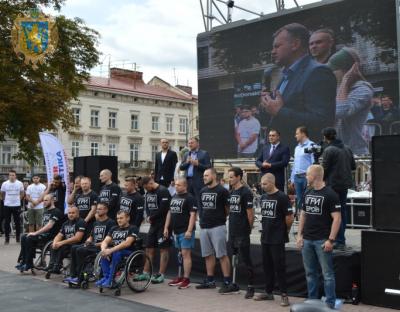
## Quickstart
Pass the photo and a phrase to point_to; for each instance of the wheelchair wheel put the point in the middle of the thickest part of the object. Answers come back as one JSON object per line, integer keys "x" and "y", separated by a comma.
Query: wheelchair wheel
{"x": 85, "y": 285}
{"x": 134, "y": 267}
{"x": 97, "y": 267}
{"x": 117, "y": 292}
{"x": 44, "y": 257}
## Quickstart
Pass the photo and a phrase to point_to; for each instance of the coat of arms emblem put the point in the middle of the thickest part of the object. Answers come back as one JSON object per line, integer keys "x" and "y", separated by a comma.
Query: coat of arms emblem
{"x": 34, "y": 36}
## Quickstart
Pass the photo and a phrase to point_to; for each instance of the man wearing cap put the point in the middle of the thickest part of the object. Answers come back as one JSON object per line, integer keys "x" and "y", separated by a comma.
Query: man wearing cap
{"x": 247, "y": 133}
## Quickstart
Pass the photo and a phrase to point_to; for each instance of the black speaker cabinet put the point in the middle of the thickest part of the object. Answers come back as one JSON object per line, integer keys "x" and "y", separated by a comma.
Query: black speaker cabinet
{"x": 386, "y": 182}
{"x": 90, "y": 166}
{"x": 380, "y": 268}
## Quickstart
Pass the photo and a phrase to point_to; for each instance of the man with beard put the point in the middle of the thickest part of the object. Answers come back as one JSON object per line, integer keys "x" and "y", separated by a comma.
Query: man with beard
{"x": 51, "y": 223}
{"x": 132, "y": 202}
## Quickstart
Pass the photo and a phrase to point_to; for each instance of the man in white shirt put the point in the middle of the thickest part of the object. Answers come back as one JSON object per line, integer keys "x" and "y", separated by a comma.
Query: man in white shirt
{"x": 12, "y": 192}
{"x": 247, "y": 133}
{"x": 35, "y": 210}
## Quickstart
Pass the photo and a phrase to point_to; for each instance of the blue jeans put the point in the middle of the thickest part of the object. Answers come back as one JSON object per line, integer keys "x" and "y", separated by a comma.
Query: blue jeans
{"x": 313, "y": 258}
{"x": 108, "y": 267}
{"x": 300, "y": 185}
{"x": 341, "y": 239}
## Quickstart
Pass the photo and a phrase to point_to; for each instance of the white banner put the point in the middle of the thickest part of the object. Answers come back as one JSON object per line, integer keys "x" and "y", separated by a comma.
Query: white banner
{"x": 56, "y": 161}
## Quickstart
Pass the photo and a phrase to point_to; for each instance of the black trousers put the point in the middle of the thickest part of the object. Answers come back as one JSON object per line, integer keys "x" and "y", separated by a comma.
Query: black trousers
{"x": 241, "y": 247}
{"x": 274, "y": 263}
{"x": 15, "y": 212}
{"x": 28, "y": 247}
{"x": 58, "y": 255}
{"x": 79, "y": 254}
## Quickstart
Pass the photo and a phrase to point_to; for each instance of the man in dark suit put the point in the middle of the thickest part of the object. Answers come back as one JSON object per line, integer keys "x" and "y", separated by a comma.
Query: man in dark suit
{"x": 165, "y": 164}
{"x": 306, "y": 94}
{"x": 194, "y": 163}
{"x": 274, "y": 159}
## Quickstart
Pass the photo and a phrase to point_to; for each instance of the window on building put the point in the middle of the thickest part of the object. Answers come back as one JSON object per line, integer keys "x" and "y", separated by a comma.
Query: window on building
{"x": 6, "y": 155}
{"x": 135, "y": 122}
{"x": 76, "y": 112}
{"x": 182, "y": 125}
{"x": 94, "y": 149}
{"x": 134, "y": 151}
{"x": 155, "y": 123}
{"x": 112, "y": 149}
{"x": 154, "y": 150}
{"x": 75, "y": 149}
{"x": 112, "y": 120}
{"x": 94, "y": 118}
{"x": 169, "y": 121}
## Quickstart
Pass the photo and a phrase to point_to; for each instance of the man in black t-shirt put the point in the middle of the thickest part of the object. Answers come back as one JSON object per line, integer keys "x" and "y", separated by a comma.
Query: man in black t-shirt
{"x": 319, "y": 224}
{"x": 86, "y": 202}
{"x": 71, "y": 233}
{"x": 181, "y": 219}
{"x": 215, "y": 208}
{"x": 241, "y": 219}
{"x": 79, "y": 253}
{"x": 109, "y": 193}
{"x": 57, "y": 189}
{"x": 51, "y": 221}
{"x": 118, "y": 243}
{"x": 156, "y": 202}
{"x": 277, "y": 218}
{"x": 132, "y": 202}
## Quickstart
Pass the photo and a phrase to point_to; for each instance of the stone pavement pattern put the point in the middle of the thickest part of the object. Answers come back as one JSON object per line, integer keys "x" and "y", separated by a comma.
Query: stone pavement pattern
{"x": 161, "y": 296}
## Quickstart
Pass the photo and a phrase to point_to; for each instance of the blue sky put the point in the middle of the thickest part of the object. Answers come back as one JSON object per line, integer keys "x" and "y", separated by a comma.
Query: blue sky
{"x": 158, "y": 35}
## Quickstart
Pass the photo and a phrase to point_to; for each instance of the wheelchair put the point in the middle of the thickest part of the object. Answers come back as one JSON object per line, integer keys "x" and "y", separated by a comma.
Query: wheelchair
{"x": 45, "y": 261}
{"x": 128, "y": 270}
{"x": 42, "y": 257}
{"x": 90, "y": 272}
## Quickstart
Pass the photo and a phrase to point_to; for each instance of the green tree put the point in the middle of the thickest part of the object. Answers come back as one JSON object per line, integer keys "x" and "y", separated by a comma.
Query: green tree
{"x": 33, "y": 100}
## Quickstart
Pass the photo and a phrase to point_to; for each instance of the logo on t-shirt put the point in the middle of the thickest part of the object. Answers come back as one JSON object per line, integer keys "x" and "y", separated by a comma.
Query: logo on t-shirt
{"x": 119, "y": 236}
{"x": 234, "y": 203}
{"x": 125, "y": 204}
{"x": 209, "y": 200}
{"x": 69, "y": 231}
{"x": 268, "y": 208}
{"x": 104, "y": 196}
{"x": 83, "y": 203}
{"x": 46, "y": 218}
{"x": 176, "y": 205}
{"x": 313, "y": 204}
{"x": 151, "y": 201}
{"x": 99, "y": 232}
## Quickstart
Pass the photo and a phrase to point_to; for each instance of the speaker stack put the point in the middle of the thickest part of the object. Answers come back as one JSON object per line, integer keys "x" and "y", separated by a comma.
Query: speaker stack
{"x": 380, "y": 259}
{"x": 90, "y": 166}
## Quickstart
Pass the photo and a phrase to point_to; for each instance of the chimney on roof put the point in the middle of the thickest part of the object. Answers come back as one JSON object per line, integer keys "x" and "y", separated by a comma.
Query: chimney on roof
{"x": 126, "y": 75}
{"x": 186, "y": 89}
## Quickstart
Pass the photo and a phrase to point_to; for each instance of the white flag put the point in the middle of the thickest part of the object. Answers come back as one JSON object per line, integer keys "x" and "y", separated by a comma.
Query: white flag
{"x": 56, "y": 161}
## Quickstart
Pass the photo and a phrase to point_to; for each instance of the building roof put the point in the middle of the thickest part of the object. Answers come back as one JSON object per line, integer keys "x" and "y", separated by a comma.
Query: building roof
{"x": 137, "y": 87}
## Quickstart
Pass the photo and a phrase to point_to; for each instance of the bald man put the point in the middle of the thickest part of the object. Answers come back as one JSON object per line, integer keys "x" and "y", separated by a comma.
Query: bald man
{"x": 277, "y": 218}
{"x": 109, "y": 193}
{"x": 319, "y": 224}
{"x": 51, "y": 223}
{"x": 72, "y": 232}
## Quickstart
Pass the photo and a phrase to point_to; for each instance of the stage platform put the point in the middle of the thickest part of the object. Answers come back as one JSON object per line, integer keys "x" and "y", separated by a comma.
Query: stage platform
{"x": 347, "y": 264}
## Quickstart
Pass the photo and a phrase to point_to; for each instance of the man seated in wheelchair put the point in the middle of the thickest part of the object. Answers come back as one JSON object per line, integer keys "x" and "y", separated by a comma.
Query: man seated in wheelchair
{"x": 71, "y": 233}
{"x": 81, "y": 253}
{"x": 51, "y": 223}
{"x": 118, "y": 243}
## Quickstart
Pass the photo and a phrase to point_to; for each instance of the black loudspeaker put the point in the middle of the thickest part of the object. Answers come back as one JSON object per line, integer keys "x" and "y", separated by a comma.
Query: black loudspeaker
{"x": 380, "y": 268}
{"x": 90, "y": 166}
{"x": 386, "y": 182}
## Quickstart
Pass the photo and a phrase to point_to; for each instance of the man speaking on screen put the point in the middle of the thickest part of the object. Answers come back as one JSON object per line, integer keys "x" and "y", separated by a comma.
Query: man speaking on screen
{"x": 306, "y": 94}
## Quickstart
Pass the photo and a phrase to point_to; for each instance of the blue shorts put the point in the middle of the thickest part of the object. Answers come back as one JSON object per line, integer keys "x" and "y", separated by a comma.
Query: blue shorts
{"x": 182, "y": 243}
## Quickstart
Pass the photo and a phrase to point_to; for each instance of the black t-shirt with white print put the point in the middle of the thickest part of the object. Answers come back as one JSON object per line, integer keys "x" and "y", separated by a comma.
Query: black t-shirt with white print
{"x": 84, "y": 202}
{"x": 101, "y": 229}
{"x": 213, "y": 202}
{"x": 59, "y": 196}
{"x": 110, "y": 194}
{"x": 239, "y": 201}
{"x": 274, "y": 209}
{"x": 119, "y": 234}
{"x": 54, "y": 215}
{"x": 180, "y": 207}
{"x": 70, "y": 228}
{"x": 318, "y": 206}
{"x": 157, "y": 204}
{"x": 133, "y": 204}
